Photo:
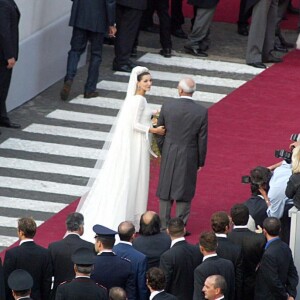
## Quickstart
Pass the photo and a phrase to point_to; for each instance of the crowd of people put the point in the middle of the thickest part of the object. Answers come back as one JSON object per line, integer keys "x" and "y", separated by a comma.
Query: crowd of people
{"x": 229, "y": 262}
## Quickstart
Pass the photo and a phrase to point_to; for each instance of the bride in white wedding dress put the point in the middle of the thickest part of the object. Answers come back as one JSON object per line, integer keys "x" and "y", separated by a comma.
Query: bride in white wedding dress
{"x": 120, "y": 190}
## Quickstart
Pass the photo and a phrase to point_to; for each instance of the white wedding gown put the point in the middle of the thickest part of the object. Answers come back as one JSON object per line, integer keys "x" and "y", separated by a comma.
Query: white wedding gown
{"x": 120, "y": 190}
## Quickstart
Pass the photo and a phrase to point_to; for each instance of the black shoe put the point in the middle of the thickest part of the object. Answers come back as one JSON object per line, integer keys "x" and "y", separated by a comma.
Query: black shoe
{"x": 91, "y": 95}
{"x": 179, "y": 33}
{"x": 280, "y": 48}
{"x": 124, "y": 68}
{"x": 258, "y": 65}
{"x": 65, "y": 91}
{"x": 166, "y": 52}
{"x": 133, "y": 52}
{"x": 292, "y": 9}
{"x": 272, "y": 59}
{"x": 242, "y": 30}
{"x": 152, "y": 29}
{"x": 287, "y": 44}
{"x": 9, "y": 124}
{"x": 187, "y": 233}
{"x": 195, "y": 52}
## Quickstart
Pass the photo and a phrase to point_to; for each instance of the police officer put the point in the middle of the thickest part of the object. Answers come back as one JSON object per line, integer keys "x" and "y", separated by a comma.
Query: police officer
{"x": 111, "y": 270}
{"x": 20, "y": 282}
{"x": 82, "y": 286}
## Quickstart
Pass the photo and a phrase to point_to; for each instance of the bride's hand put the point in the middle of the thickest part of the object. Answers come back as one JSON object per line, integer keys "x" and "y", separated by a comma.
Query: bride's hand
{"x": 160, "y": 130}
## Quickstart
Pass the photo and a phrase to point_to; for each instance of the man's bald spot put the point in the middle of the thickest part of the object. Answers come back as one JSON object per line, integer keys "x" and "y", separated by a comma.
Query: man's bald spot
{"x": 125, "y": 227}
{"x": 148, "y": 216}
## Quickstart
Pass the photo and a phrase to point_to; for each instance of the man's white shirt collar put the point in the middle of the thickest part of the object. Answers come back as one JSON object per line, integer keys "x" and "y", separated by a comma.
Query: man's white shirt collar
{"x": 188, "y": 97}
{"x": 176, "y": 241}
{"x": 223, "y": 235}
{"x": 24, "y": 241}
{"x": 124, "y": 242}
{"x": 240, "y": 226}
{"x": 70, "y": 232}
{"x": 208, "y": 256}
{"x": 153, "y": 294}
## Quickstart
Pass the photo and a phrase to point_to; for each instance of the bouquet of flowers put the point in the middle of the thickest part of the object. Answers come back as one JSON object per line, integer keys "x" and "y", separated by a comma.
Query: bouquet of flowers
{"x": 154, "y": 145}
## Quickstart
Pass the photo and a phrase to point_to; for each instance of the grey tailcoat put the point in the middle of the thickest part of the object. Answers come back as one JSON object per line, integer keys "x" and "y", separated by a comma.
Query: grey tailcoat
{"x": 183, "y": 148}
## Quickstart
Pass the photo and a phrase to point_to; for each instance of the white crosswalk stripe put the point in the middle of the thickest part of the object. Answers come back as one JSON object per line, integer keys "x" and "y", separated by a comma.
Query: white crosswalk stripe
{"x": 161, "y": 91}
{"x": 55, "y": 156}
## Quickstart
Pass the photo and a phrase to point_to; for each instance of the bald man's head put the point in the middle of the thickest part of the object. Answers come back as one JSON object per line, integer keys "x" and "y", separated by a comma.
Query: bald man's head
{"x": 149, "y": 223}
{"x": 186, "y": 86}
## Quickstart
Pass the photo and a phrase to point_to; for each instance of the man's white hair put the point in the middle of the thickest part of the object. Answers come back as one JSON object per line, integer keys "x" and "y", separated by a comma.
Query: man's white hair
{"x": 188, "y": 85}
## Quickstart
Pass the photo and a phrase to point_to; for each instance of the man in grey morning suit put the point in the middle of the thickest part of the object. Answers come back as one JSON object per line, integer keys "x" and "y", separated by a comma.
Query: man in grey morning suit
{"x": 183, "y": 151}
{"x": 262, "y": 33}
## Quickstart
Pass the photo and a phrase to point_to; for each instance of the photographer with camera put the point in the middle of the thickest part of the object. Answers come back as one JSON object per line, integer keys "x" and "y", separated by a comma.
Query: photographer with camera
{"x": 280, "y": 203}
{"x": 259, "y": 202}
{"x": 293, "y": 186}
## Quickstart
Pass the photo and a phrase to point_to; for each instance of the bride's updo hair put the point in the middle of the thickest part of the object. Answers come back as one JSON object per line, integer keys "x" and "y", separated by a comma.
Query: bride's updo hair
{"x": 140, "y": 76}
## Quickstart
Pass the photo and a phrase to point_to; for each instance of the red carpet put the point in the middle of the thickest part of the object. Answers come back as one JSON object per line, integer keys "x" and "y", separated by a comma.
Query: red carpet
{"x": 244, "y": 130}
{"x": 228, "y": 11}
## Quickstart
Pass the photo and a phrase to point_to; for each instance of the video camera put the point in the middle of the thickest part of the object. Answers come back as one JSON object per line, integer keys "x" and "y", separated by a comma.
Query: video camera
{"x": 283, "y": 154}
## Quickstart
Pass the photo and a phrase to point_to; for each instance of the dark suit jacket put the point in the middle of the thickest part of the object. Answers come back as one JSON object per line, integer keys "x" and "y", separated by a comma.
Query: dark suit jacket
{"x": 136, "y": 4}
{"x": 111, "y": 270}
{"x": 2, "y": 288}
{"x": 228, "y": 250}
{"x": 252, "y": 249}
{"x": 204, "y": 3}
{"x": 178, "y": 264}
{"x": 214, "y": 266}
{"x": 164, "y": 296}
{"x": 93, "y": 15}
{"x": 257, "y": 209}
{"x": 153, "y": 246}
{"x": 139, "y": 263}
{"x": 81, "y": 289}
{"x": 277, "y": 274}
{"x": 9, "y": 31}
{"x": 36, "y": 261}
{"x": 183, "y": 148}
{"x": 61, "y": 252}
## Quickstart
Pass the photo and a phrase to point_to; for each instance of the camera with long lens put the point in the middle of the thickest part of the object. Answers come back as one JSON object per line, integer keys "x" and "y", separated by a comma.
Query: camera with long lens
{"x": 283, "y": 154}
{"x": 295, "y": 137}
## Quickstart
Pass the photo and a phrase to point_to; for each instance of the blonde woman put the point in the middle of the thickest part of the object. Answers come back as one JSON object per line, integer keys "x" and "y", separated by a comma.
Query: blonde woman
{"x": 293, "y": 186}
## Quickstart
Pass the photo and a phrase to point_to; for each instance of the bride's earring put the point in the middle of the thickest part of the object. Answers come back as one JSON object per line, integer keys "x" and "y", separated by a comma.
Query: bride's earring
{"x": 138, "y": 87}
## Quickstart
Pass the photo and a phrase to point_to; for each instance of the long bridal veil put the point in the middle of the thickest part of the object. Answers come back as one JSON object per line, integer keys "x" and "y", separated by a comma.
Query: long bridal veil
{"x": 107, "y": 200}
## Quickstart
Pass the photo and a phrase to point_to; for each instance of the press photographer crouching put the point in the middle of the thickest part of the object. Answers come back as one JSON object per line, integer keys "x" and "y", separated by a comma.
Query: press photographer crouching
{"x": 258, "y": 202}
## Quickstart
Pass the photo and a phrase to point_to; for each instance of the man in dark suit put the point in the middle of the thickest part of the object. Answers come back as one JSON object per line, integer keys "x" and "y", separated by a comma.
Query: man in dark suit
{"x": 156, "y": 282}
{"x": 20, "y": 282}
{"x": 226, "y": 249}
{"x": 110, "y": 269}
{"x": 90, "y": 20}
{"x": 183, "y": 151}
{"x": 61, "y": 251}
{"x": 151, "y": 241}
{"x": 252, "y": 247}
{"x": 179, "y": 262}
{"x": 212, "y": 265}
{"x": 128, "y": 17}
{"x": 9, "y": 48}
{"x": 177, "y": 19}
{"x": 277, "y": 276}
{"x": 30, "y": 257}
{"x": 82, "y": 286}
{"x": 126, "y": 231}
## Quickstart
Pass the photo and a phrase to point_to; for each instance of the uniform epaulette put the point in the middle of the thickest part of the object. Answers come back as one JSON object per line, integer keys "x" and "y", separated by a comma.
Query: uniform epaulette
{"x": 67, "y": 281}
{"x": 126, "y": 259}
{"x": 99, "y": 285}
